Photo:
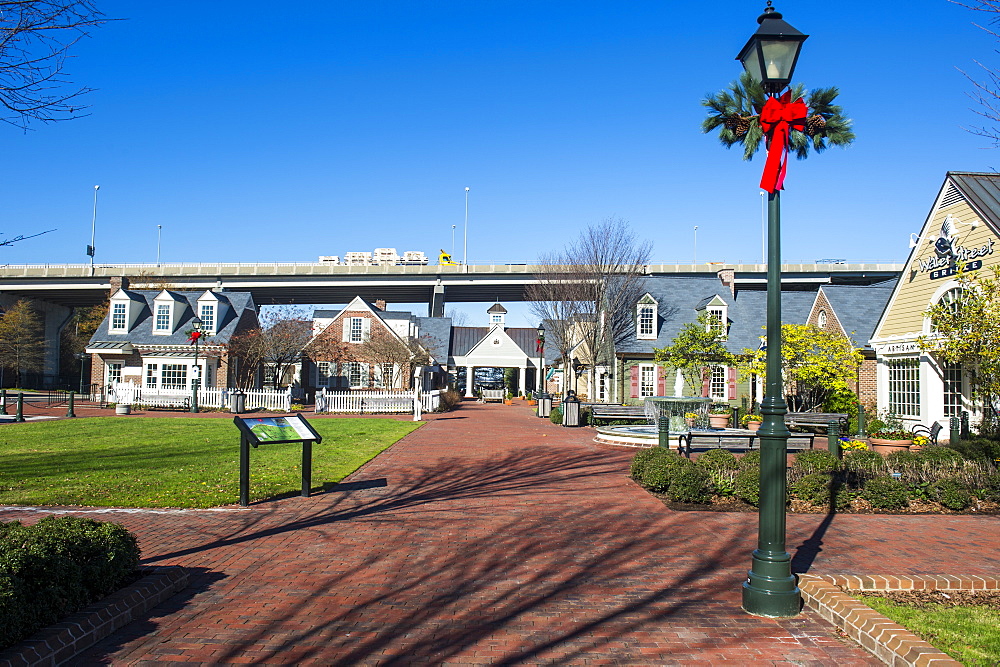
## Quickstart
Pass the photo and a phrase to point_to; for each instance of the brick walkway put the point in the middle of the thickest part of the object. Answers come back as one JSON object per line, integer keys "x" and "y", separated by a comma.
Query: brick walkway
{"x": 491, "y": 536}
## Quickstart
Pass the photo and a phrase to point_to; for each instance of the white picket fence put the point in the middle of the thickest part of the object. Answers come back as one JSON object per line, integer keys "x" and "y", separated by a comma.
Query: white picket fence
{"x": 375, "y": 402}
{"x": 126, "y": 393}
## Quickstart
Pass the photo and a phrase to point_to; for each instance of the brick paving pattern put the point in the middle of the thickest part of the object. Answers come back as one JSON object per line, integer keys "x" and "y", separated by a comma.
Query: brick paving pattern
{"x": 489, "y": 536}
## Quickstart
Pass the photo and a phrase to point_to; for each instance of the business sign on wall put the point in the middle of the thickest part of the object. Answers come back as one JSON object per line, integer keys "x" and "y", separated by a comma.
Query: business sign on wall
{"x": 949, "y": 253}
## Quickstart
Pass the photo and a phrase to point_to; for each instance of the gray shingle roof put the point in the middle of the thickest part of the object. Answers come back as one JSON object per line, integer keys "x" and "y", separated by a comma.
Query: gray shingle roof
{"x": 858, "y": 308}
{"x": 142, "y": 332}
{"x": 437, "y": 332}
{"x": 679, "y": 297}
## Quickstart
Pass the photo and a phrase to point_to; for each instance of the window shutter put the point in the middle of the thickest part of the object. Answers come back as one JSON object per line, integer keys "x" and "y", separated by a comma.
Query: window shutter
{"x": 346, "y": 326}
{"x": 366, "y": 328}
{"x": 635, "y": 381}
{"x": 313, "y": 374}
{"x": 731, "y": 381}
{"x": 706, "y": 381}
{"x": 364, "y": 375}
{"x": 661, "y": 385}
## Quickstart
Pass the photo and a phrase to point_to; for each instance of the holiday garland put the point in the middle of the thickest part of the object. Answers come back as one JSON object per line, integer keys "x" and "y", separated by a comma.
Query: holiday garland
{"x": 736, "y": 113}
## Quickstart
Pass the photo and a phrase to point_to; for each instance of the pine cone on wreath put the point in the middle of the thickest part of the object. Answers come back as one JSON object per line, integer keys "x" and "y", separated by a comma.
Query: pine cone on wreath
{"x": 814, "y": 124}
{"x": 738, "y": 124}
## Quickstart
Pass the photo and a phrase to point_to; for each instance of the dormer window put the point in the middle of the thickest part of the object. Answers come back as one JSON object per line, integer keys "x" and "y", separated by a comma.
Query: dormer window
{"x": 645, "y": 321}
{"x": 718, "y": 316}
{"x": 207, "y": 315}
{"x": 162, "y": 323}
{"x": 119, "y": 316}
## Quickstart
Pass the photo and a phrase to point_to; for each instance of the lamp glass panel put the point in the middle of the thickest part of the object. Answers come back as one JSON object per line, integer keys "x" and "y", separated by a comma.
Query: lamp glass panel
{"x": 751, "y": 63}
{"x": 779, "y": 56}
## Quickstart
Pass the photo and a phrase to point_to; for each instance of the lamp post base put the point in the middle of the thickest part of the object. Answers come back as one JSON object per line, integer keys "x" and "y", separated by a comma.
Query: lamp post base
{"x": 770, "y": 589}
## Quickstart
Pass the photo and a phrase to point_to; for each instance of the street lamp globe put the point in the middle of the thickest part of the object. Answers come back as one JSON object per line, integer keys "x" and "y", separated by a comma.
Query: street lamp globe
{"x": 771, "y": 53}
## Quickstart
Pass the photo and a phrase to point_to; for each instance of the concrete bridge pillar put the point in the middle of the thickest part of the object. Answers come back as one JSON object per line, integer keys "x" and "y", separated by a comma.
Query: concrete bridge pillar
{"x": 54, "y": 319}
{"x": 436, "y": 306}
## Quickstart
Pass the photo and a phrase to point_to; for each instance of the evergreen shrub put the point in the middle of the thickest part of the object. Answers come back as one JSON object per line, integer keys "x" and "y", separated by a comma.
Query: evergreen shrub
{"x": 55, "y": 567}
{"x": 641, "y": 459}
{"x": 659, "y": 469}
{"x": 750, "y": 460}
{"x": 555, "y": 416}
{"x": 885, "y": 493}
{"x": 812, "y": 461}
{"x": 689, "y": 483}
{"x": 715, "y": 460}
{"x": 864, "y": 462}
{"x": 747, "y": 485}
{"x": 952, "y": 493}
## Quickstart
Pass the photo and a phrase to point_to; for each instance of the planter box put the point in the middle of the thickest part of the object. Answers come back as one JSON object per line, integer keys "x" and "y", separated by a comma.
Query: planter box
{"x": 886, "y": 447}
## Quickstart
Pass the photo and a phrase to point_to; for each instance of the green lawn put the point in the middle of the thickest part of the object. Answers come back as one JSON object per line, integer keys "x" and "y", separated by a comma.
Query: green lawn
{"x": 969, "y": 634}
{"x": 176, "y": 462}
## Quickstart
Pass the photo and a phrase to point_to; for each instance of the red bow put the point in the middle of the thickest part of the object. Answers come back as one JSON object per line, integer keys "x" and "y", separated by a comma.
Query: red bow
{"x": 195, "y": 335}
{"x": 777, "y": 119}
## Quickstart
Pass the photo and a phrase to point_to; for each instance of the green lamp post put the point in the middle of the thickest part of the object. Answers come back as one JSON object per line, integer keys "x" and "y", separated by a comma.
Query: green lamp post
{"x": 770, "y": 589}
{"x": 196, "y": 380}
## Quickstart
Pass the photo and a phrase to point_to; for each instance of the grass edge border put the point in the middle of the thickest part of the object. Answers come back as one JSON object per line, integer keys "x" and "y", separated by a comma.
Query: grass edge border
{"x": 880, "y": 636}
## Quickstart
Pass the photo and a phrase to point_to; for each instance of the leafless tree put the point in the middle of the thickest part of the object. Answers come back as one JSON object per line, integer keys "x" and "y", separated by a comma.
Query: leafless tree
{"x": 401, "y": 354}
{"x": 986, "y": 89}
{"x": 35, "y": 39}
{"x": 277, "y": 343}
{"x": 587, "y": 293}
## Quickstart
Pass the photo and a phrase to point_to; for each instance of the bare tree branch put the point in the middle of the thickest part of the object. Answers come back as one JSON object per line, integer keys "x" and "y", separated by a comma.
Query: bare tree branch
{"x": 22, "y": 237}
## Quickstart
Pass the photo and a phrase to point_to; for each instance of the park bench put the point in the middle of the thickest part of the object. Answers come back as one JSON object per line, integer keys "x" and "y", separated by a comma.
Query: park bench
{"x": 165, "y": 402}
{"x": 492, "y": 395}
{"x": 735, "y": 439}
{"x": 816, "y": 419}
{"x": 608, "y": 411}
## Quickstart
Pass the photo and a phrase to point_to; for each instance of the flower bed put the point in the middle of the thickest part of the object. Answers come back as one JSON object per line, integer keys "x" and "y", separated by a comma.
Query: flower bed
{"x": 933, "y": 480}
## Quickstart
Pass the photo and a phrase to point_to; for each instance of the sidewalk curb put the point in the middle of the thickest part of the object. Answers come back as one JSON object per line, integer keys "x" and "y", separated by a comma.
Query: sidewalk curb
{"x": 59, "y": 643}
{"x": 892, "y": 643}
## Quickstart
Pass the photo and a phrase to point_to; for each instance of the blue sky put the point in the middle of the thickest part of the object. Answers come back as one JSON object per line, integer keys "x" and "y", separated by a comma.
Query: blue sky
{"x": 255, "y": 134}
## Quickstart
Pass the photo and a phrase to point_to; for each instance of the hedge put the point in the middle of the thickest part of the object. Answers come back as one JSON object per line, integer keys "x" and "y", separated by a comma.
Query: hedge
{"x": 57, "y": 566}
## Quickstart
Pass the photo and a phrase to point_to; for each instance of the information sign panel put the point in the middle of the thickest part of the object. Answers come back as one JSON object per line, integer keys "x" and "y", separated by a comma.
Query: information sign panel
{"x": 256, "y": 431}
{"x": 273, "y": 430}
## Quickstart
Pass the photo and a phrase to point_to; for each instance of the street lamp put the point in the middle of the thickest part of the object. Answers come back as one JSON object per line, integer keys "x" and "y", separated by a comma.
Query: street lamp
{"x": 196, "y": 380}
{"x": 770, "y": 589}
{"x": 543, "y": 397}
{"x": 82, "y": 358}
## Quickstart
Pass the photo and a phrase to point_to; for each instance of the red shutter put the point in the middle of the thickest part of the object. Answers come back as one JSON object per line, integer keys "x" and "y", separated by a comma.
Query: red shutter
{"x": 635, "y": 382}
{"x": 731, "y": 381}
{"x": 706, "y": 381}
{"x": 661, "y": 388}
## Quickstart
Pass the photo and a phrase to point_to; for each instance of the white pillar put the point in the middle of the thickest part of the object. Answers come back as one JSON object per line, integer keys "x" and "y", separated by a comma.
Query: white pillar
{"x": 469, "y": 376}
{"x": 523, "y": 377}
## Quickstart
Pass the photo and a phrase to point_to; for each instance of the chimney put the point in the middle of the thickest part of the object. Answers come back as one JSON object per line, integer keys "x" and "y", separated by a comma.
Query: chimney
{"x": 118, "y": 283}
{"x": 728, "y": 279}
{"x": 380, "y": 304}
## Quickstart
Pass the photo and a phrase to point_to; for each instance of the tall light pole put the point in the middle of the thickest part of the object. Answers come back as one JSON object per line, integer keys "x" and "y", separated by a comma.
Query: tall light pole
{"x": 453, "y": 240}
{"x": 770, "y": 589}
{"x": 696, "y": 244}
{"x": 93, "y": 229}
{"x": 196, "y": 380}
{"x": 159, "y": 228}
{"x": 465, "y": 244}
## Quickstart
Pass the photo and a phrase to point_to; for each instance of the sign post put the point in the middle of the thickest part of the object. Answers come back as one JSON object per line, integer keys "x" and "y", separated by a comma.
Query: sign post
{"x": 256, "y": 431}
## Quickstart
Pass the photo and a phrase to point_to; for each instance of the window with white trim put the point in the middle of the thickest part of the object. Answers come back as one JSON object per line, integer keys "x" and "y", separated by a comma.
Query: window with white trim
{"x": 174, "y": 376}
{"x": 718, "y": 384}
{"x": 323, "y": 373}
{"x": 357, "y": 330}
{"x": 207, "y": 315}
{"x": 496, "y": 318}
{"x": 952, "y": 390}
{"x": 114, "y": 372}
{"x": 356, "y": 373}
{"x": 152, "y": 376}
{"x": 647, "y": 380}
{"x": 716, "y": 319}
{"x": 821, "y": 319}
{"x": 162, "y": 323}
{"x": 118, "y": 316}
{"x": 387, "y": 376}
{"x": 951, "y": 300}
{"x": 646, "y": 321}
{"x": 904, "y": 386}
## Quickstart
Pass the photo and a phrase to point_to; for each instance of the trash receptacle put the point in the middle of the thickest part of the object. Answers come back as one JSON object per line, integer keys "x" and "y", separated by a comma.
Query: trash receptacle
{"x": 571, "y": 409}
{"x": 544, "y": 405}
{"x": 237, "y": 402}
